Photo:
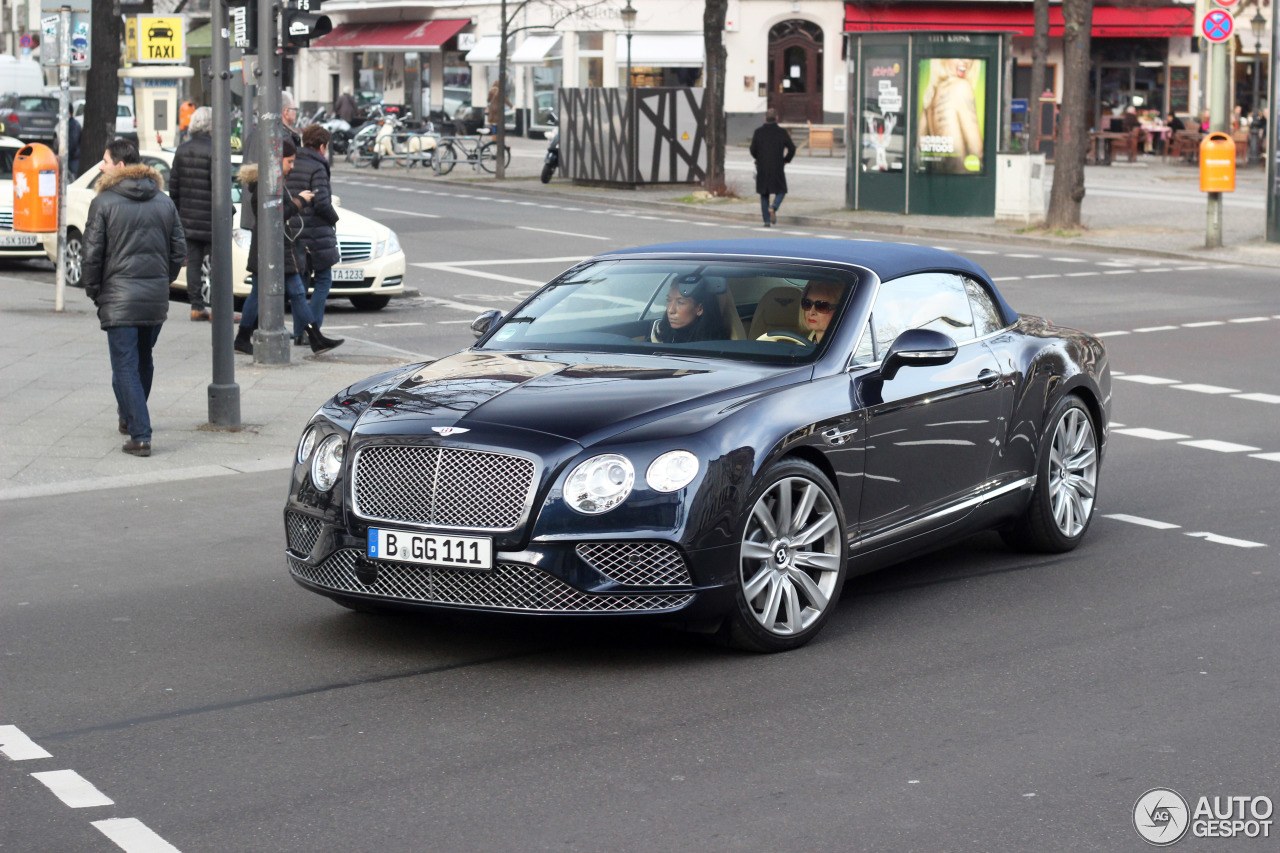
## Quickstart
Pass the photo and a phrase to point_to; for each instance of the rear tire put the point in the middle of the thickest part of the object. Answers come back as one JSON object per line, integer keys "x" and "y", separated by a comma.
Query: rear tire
{"x": 75, "y": 258}
{"x": 489, "y": 156}
{"x": 445, "y": 158}
{"x": 370, "y": 303}
{"x": 1063, "y": 499}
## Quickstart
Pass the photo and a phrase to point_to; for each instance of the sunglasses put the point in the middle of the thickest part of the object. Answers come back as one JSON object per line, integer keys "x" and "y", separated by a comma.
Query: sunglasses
{"x": 822, "y": 305}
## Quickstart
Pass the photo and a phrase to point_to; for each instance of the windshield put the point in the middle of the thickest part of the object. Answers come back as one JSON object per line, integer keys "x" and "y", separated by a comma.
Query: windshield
{"x": 759, "y": 311}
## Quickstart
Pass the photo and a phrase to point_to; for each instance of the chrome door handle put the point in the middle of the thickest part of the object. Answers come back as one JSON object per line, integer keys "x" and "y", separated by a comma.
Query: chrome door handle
{"x": 836, "y": 437}
{"x": 988, "y": 377}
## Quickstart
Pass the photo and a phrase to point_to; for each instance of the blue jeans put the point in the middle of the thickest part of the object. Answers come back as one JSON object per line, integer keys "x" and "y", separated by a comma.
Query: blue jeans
{"x": 764, "y": 203}
{"x": 131, "y": 372}
{"x": 297, "y": 292}
{"x": 322, "y": 281}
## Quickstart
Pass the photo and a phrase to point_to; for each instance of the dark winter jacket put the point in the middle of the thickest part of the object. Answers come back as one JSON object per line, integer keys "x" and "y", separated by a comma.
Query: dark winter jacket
{"x": 318, "y": 240}
{"x": 191, "y": 186}
{"x": 292, "y": 223}
{"x": 133, "y": 248}
{"x": 772, "y": 148}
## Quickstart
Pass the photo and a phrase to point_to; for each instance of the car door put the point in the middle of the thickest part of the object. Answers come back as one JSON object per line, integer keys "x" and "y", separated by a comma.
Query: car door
{"x": 930, "y": 431}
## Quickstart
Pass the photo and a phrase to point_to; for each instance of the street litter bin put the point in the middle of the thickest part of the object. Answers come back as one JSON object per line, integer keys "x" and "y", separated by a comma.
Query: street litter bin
{"x": 35, "y": 189}
{"x": 1217, "y": 164}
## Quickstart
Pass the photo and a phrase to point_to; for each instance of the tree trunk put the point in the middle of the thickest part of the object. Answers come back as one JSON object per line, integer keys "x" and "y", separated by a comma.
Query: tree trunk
{"x": 500, "y": 131}
{"x": 1073, "y": 127}
{"x": 713, "y": 18}
{"x": 102, "y": 84}
{"x": 1039, "y": 57}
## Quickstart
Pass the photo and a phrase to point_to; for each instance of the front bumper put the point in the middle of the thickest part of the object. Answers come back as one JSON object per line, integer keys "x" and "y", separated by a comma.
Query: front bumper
{"x": 34, "y": 247}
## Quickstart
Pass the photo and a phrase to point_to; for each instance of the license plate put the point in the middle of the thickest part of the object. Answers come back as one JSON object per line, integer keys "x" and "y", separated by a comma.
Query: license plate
{"x": 18, "y": 239}
{"x": 347, "y": 275}
{"x": 432, "y": 549}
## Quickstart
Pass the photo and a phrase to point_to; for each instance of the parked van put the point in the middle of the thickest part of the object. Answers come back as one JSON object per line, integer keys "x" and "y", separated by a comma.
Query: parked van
{"x": 20, "y": 76}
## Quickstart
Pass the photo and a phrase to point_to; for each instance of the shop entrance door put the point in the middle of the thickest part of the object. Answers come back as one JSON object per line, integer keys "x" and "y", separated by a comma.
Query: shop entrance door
{"x": 795, "y": 71}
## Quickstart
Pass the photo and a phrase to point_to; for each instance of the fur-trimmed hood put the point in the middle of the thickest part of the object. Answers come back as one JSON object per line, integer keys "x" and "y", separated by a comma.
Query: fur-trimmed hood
{"x": 139, "y": 182}
{"x": 248, "y": 174}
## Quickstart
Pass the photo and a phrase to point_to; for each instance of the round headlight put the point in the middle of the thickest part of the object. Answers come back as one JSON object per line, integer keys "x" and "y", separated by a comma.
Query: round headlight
{"x": 307, "y": 444}
{"x": 672, "y": 471}
{"x": 599, "y": 484}
{"x": 327, "y": 463}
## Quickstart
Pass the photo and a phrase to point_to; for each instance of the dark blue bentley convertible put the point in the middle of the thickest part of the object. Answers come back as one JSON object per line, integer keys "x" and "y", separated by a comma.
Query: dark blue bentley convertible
{"x": 713, "y": 433}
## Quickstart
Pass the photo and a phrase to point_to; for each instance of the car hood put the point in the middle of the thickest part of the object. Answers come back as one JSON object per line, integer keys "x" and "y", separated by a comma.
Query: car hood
{"x": 581, "y": 397}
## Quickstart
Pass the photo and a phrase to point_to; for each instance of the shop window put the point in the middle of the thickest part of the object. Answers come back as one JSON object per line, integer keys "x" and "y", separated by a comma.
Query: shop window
{"x": 457, "y": 85}
{"x": 546, "y": 82}
{"x": 591, "y": 59}
{"x": 370, "y": 73}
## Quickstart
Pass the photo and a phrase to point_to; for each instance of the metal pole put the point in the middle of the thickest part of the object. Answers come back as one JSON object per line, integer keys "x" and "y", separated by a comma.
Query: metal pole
{"x": 500, "y": 131}
{"x": 64, "y": 138}
{"x": 224, "y": 393}
{"x": 1218, "y": 121}
{"x": 270, "y": 342}
{"x": 1253, "y": 109}
{"x": 628, "y": 59}
{"x": 1273, "y": 137}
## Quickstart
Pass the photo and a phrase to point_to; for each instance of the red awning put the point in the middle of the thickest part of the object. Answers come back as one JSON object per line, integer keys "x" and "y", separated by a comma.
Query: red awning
{"x": 400, "y": 36}
{"x": 1016, "y": 18}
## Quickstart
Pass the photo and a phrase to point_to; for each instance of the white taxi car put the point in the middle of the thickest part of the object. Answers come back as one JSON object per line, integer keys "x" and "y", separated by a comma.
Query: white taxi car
{"x": 370, "y": 272}
{"x": 12, "y": 243}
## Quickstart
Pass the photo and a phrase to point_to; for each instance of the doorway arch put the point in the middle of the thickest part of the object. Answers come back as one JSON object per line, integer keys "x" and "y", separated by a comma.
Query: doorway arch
{"x": 795, "y": 71}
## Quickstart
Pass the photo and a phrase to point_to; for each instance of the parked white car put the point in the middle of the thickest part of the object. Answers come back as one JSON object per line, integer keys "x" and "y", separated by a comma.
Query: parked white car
{"x": 126, "y": 121}
{"x": 370, "y": 272}
{"x": 12, "y": 243}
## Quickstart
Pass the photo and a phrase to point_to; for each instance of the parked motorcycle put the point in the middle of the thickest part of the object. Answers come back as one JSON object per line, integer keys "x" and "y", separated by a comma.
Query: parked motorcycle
{"x": 553, "y": 150}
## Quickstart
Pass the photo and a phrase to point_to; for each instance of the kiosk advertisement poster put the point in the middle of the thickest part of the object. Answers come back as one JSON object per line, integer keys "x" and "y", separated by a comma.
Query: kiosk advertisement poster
{"x": 884, "y": 85}
{"x": 952, "y": 103}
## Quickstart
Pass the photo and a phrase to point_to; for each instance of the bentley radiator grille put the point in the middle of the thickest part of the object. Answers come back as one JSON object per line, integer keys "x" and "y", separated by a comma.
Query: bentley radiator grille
{"x": 509, "y": 586}
{"x": 637, "y": 563}
{"x": 301, "y": 532}
{"x": 442, "y": 486}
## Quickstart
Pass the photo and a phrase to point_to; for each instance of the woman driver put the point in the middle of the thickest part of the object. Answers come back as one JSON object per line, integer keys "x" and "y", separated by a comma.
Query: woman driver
{"x": 693, "y": 314}
{"x": 818, "y": 306}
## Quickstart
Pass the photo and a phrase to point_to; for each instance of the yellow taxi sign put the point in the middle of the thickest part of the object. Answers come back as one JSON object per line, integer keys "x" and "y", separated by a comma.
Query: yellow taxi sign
{"x": 155, "y": 39}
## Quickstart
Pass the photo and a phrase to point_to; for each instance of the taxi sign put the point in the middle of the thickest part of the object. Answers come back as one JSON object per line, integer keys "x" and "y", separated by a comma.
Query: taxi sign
{"x": 155, "y": 40}
{"x": 1217, "y": 26}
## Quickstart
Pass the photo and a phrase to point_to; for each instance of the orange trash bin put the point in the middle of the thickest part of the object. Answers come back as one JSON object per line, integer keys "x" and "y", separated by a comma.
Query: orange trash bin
{"x": 1217, "y": 164}
{"x": 35, "y": 189}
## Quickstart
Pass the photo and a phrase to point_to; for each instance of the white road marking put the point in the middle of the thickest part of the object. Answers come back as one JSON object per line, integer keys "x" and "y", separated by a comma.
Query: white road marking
{"x": 1219, "y": 446}
{"x": 1206, "y": 389}
{"x": 1046, "y": 275}
{"x": 1009, "y": 278}
{"x": 1227, "y": 540}
{"x": 1145, "y": 522}
{"x": 493, "y": 276}
{"x": 391, "y": 325}
{"x": 1109, "y": 334}
{"x": 978, "y": 252}
{"x": 1080, "y": 274}
{"x": 944, "y": 248}
{"x": 1021, "y": 256}
{"x": 1147, "y": 432}
{"x": 407, "y": 212}
{"x": 458, "y": 306}
{"x": 1143, "y": 379}
{"x": 1156, "y": 269}
{"x": 1069, "y": 260}
{"x": 1155, "y": 328}
{"x": 1118, "y": 272}
{"x": 1203, "y": 323}
{"x": 343, "y": 328}
{"x": 1259, "y": 398}
{"x": 1249, "y": 320}
{"x": 562, "y": 233}
{"x": 1270, "y": 457}
{"x": 567, "y": 259}
{"x": 73, "y": 789}
{"x": 133, "y": 836}
{"x": 18, "y": 747}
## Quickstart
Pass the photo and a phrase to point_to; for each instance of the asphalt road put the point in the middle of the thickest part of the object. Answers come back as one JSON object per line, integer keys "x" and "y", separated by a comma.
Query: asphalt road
{"x": 974, "y": 699}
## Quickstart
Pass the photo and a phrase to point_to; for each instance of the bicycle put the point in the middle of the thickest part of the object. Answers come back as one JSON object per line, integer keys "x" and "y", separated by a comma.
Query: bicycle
{"x": 451, "y": 150}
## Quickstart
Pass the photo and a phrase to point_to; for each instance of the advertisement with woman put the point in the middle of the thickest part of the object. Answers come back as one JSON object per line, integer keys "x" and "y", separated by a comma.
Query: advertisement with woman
{"x": 952, "y": 99}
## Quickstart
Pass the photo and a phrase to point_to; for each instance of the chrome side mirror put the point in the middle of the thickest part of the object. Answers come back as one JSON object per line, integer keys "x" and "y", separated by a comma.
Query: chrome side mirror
{"x": 481, "y": 325}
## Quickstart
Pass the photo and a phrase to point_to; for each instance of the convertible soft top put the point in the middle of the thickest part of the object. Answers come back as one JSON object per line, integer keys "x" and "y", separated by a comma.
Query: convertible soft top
{"x": 886, "y": 260}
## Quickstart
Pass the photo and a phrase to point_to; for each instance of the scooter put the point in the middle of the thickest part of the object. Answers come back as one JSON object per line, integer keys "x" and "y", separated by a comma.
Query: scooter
{"x": 553, "y": 150}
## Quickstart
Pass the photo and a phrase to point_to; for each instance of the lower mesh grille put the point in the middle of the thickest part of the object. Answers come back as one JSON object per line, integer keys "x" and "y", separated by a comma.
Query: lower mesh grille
{"x": 509, "y": 586}
{"x": 637, "y": 563}
{"x": 301, "y": 532}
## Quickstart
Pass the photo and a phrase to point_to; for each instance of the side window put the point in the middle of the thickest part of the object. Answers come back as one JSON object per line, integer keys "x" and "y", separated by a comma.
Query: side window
{"x": 986, "y": 315}
{"x": 932, "y": 300}
{"x": 160, "y": 166}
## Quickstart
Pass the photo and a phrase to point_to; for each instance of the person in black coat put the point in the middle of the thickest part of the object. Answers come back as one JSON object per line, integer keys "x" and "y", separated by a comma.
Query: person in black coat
{"x": 772, "y": 148}
{"x": 191, "y": 188}
{"x": 318, "y": 242}
{"x": 133, "y": 250}
{"x": 74, "y": 132}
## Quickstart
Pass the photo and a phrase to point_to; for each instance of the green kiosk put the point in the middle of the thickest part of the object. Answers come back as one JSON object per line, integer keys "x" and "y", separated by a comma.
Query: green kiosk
{"x": 924, "y": 122}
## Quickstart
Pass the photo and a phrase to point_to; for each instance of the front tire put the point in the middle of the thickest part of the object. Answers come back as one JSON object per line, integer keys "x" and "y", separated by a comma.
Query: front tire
{"x": 1062, "y": 503}
{"x": 370, "y": 303}
{"x": 75, "y": 258}
{"x": 547, "y": 171}
{"x": 792, "y": 561}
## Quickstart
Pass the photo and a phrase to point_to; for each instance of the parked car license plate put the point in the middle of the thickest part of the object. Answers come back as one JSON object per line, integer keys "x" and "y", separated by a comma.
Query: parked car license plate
{"x": 347, "y": 275}
{"x": 433, "y": 549}
{"x": 18, "y": 239}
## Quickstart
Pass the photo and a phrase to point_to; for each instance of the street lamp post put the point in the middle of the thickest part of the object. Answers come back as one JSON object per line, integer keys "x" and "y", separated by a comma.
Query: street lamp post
{"x": 628, "y": 24}
{"x": 1257, "y": 23}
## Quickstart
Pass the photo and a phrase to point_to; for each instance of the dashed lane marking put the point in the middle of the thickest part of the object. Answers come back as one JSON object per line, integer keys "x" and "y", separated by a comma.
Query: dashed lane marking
{"x": 1227, "y": 540}
{"x": 1145, "y": 329}
{"x": 1068, "y": 260}
{"x": 562, "y": 233}
{"x": 1215, "y": 538}
{"x": 1147, "y": 432}
{"x": 1044, "y": 275}
{"x": 1219, "y": 446}
{"x": 1144, "y": 522}
{"x": 18, "y": 747}
{"x": 1206, "y": 389}
{"x": 1200, "y": 443}
{"x": 133, "y": 836}
{"x": 1249, "y": 320}
{"x": 1273, "y": 399}
{"x": 73, "y": 789}
{"x": 408, "y": 213}
{"x": 1143, "y": 379}
{"x": 1203, "y": 323}
{"x": 1196, "y": 387}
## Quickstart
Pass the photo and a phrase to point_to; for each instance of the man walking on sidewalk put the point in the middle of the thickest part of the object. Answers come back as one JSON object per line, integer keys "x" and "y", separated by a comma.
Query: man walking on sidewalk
{"x": 191, "y": 188}
{"x": 133, "y": 249}
{"x": 772, "y": 148}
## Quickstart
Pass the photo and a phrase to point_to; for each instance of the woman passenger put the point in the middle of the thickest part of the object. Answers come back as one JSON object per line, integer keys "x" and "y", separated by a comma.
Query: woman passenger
{"x": 693, "y": 314}
{"x": 818, "y": 306}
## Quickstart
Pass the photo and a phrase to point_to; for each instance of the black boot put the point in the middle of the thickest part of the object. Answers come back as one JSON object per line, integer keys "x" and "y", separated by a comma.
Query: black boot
{"x": 319, "y": 343}
{"x": 244, "y": 341}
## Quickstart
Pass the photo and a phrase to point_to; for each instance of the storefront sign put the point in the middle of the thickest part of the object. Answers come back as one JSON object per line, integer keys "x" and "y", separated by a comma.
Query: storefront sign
{"x": 884, "y": 81}
{"x": 951, "y": 116}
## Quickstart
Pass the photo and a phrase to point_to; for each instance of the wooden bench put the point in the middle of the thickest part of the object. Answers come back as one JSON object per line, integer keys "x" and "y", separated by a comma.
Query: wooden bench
{"x": 822, "y": 136}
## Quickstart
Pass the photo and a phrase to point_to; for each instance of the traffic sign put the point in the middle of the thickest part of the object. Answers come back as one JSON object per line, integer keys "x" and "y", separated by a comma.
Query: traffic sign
{"x": 1217, "y": 26}
{"x": 155, "y": 39}
{"x": 1225, "y": 3}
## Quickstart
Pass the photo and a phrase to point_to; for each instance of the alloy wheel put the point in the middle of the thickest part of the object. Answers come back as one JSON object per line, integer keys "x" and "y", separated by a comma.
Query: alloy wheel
{"x": 791, "y": 556}
{"x": 75, "y": 257}
{"x": 1073, "y": 472}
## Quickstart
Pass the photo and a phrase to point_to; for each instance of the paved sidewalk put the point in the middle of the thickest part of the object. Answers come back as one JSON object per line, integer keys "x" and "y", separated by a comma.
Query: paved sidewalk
{"x": 58, "y": 413}
{"x": 1148, "y": 207}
